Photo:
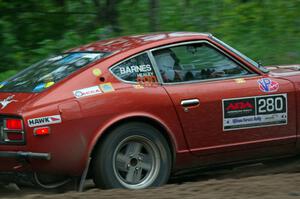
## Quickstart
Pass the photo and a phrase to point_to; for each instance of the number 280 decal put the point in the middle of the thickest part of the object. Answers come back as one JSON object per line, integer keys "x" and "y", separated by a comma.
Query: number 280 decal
{"x": 272, "y": 104}
{"x": 251, "y": 112}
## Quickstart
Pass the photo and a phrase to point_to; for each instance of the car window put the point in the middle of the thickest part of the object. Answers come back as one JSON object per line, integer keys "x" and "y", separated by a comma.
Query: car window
{"x": 135, "y": 69}
{"x": 48, "y": 72}
{"x": 195, "y": 62}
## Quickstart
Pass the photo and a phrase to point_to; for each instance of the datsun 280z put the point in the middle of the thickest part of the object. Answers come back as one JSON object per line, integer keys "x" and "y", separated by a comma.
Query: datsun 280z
{"x": 132, "y": 111}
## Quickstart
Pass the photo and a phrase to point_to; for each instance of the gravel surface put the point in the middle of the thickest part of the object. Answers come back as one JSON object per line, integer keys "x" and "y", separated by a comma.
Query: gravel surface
{"x": 278, "y": 180}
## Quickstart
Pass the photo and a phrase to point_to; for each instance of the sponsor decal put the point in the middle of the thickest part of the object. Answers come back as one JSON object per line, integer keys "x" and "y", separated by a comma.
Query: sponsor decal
{"x": 42, "y": 86}
{"x": 138, "y": 86}
{"x": 251, "y": 112}
{"x": 240, "y": 81}
{"x": 54, "y": 119}
{"x": 94, "y": 90}
{"x": 147, "y": 80}
{"x": 97, "y": 72}
{"x": 49, "y": 84}
{"x": 7, "y": 101}
{"x": 239, "y": 107}
{"x": 135, "y": 69}
{"x": 39, "y": 87}
{"x": 145, "y": 74}
{"x": 107, "y": 87}
{"x": 268, "y": 85}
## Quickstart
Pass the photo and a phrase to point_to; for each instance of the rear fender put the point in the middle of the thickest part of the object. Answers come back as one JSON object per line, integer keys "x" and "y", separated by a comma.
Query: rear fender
{"x": 101, "y": 132}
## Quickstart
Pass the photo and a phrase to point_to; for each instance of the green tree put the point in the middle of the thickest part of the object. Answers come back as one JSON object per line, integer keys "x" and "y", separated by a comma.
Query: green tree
{"x": 266, "y": 30}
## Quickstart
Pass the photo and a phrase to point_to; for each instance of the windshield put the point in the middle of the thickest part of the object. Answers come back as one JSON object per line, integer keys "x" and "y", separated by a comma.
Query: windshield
{"x": 46, "y": 73}
{"x": 257, "y": 65}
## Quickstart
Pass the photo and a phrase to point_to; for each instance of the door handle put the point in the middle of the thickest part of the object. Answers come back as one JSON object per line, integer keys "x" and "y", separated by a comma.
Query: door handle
{"x": 190, "y": 102}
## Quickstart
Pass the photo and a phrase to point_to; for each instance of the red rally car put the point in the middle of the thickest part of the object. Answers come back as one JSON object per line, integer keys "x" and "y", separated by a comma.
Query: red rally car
{"x": 131, "y": 111}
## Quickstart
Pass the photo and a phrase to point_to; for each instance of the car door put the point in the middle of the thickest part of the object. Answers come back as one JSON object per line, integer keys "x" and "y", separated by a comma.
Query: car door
{"x": 224, "y": 106}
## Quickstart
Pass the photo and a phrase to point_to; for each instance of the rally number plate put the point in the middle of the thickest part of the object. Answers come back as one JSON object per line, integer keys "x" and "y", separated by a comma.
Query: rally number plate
{"x": 252, "y": 112}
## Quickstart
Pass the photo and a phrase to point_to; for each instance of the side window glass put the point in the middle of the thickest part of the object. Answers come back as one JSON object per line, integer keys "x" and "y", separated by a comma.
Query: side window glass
{"x": 195, "y": 62}
{"x": 136, "y": 69}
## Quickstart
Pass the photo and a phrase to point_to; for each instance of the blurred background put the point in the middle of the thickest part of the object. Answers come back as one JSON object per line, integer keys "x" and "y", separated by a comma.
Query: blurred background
{"x": 30, "y": 30}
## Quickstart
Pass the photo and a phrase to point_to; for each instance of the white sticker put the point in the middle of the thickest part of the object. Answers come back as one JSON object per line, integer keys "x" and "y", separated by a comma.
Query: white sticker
{"x": 54, "y": 119}
{"x": 87, "y": 91}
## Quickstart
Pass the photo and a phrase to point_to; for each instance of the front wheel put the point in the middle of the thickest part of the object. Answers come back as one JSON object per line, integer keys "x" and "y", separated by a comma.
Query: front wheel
{"x": 132, "y": 156}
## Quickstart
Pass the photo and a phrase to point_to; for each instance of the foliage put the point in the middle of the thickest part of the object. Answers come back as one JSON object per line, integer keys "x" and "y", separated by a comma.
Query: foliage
{"x": 266, "y": 30}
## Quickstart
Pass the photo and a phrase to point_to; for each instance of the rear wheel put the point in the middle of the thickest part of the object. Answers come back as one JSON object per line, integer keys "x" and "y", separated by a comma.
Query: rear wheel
{"x": 132, "y": 156}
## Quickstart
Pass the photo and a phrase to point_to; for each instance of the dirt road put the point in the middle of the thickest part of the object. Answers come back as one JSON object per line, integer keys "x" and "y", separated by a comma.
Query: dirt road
{"x": 280, "y": 180}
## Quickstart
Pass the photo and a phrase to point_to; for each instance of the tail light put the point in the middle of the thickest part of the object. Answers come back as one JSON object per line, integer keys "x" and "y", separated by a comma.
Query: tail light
{"x": 14, "y": 136}
{"x": 41, "y": 131}
{"x": 13, "y": 124}
{"x": 13, "y": 130}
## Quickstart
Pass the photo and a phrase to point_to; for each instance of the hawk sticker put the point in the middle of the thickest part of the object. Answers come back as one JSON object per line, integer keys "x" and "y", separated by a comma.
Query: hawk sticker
{"x": 54, "y": 119}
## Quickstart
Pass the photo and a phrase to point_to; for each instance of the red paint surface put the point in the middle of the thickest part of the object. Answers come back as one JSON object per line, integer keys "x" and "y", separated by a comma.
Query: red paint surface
{"x": 197, "y": 135}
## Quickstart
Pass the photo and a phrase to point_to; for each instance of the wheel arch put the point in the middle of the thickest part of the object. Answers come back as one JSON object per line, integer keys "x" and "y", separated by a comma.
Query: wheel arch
{"x": 143, "y": 119}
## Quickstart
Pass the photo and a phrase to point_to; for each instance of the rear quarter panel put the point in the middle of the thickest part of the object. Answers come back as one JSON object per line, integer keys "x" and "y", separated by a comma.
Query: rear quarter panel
{"x": 85, "y": 119}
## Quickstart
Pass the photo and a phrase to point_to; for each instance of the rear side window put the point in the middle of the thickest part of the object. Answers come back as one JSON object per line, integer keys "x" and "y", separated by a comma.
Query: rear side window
{"x": 46, "y": 73}
{"x": 135, "y": 69}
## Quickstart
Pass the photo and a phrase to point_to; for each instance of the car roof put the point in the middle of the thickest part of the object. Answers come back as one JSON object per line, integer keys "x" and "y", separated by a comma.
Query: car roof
{"x": 126, "y": 43}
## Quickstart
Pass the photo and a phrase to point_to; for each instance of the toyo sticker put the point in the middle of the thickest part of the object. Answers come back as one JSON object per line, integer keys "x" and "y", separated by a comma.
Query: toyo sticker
{"x": 107, "y": 87}
{"x": 94, "y": 90}
{"x": 268, "y": 85}
{"x": 97, "y": 72}
{"x": 54, "y": 119}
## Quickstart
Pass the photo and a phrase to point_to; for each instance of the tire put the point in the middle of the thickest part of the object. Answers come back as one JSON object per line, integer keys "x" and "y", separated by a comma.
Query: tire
{"x": 42, "y": 181}
{"x": 133, "y": 156}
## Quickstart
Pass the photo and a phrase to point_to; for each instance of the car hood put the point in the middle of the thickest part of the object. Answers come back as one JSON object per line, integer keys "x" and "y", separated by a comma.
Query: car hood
{"x": 284, "y": 70}
{"x": 13, "y": 103}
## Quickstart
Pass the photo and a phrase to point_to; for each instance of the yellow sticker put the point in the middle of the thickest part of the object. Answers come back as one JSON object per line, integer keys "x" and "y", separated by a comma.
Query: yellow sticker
{"x": 138, "y": 86}
{"x": 48, "y": 84}
{"x": 97, "y": 72}
{"x": 107, "y": 87}
{"x": 240, "y": 81}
